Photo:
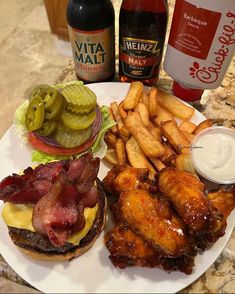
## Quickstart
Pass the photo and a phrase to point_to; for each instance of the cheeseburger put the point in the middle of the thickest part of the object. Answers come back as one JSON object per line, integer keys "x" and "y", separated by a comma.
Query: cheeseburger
{"x": 57, "y": 210}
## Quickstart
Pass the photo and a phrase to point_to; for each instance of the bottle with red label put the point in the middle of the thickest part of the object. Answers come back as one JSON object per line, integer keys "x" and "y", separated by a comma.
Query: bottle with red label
{"x": 142, "y": 29}
{"x": 91, "y": 32}
{"x": 201, "y": 45}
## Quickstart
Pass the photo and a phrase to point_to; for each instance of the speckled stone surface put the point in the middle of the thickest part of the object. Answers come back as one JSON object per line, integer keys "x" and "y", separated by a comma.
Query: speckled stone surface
{"x": 218, "y": 105}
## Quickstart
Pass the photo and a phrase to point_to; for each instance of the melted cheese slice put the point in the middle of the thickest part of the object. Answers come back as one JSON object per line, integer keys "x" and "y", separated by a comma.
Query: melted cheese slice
{"x": 20, "y": 216}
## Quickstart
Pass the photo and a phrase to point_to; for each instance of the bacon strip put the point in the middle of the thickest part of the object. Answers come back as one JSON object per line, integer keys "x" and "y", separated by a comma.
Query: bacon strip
{"x": 56, "y": 213}
{"x": 32, "y": 185}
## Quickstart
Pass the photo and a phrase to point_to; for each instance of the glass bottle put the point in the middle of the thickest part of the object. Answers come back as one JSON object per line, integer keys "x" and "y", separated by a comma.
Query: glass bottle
{"x": 142, "y": 30}
{"x": 91, "y": 32}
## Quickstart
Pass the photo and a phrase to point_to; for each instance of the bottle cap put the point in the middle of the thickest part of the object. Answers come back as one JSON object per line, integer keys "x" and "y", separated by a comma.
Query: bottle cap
{"x": 186, "y": 94}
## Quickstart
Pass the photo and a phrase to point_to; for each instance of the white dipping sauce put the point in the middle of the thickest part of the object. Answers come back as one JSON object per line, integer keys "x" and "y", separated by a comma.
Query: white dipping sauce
{"x": 213, "y": 154}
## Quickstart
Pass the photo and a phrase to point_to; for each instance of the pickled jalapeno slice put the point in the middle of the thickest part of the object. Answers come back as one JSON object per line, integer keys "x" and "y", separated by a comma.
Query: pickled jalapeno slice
{"x": 48, "y": 128}
{"x": 35, "y": 114}
{"x": 56, "y": 108}
{"x": 47, "y": 93}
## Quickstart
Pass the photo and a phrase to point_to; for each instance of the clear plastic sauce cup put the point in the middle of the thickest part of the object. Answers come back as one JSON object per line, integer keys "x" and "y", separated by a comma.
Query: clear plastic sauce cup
{"x": 213, "y": 154}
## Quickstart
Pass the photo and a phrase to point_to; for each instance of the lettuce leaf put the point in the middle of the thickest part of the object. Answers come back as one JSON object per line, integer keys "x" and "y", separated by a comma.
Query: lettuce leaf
{"x": 98, "y": 148}
{"x": 41, "y": 157}
{"x": 19, "y": 122}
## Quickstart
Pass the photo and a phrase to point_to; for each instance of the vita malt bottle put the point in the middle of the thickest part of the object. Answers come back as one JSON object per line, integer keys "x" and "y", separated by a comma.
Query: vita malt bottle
{"x": 91, "y": 32}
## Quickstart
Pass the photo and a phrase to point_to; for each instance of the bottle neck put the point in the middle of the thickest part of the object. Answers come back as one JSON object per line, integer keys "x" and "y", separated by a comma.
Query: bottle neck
{"x": 160, "y": 6}
{"x": 185, "y": 93}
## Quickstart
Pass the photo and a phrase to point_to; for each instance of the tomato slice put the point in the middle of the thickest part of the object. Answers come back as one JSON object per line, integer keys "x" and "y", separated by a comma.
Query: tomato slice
{"x": 53, "y": 150}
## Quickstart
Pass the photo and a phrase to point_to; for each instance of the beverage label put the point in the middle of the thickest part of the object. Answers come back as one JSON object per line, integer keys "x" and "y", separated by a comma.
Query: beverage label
{"x": 139, "y": 57}
{"x": 93, "y": 53}
{"x": 201, "y": 43}
{"x": 196, "y": 28}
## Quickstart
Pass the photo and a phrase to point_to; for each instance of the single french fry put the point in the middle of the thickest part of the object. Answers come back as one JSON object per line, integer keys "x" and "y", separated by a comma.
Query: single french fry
{"x": 122, "y": 129}
{"x": 175, "y": 137}
{"x": 187, "y": 127}
{"x": 163, "y": 115}
{"x": 150, "y": 145}
{"x": 184, "y": 162}
{"x": 124, "y": 132}
{"x": 137, "y": 157}
{"x": 144, "y": 114}
{"x": 122, "y": 111}
{"x": 153, "y": 104}
{"x": 203, "y": 125}
{"x": 151, "y": 125}
{"x": 133, "y": 95}
{"x": 156, "y": 132}
{"x": 145, "y": 99}
{"x": 168, "y": 154}
{"x": 190, "y": 137}
{"x": 111, "y": 156}
{"x": 120, "y": 151}
{"x": 157, "y": 163}
{"x": 110, "y": 139}
{"x": 114, "y": 128}
{"x": 175, "y": 106}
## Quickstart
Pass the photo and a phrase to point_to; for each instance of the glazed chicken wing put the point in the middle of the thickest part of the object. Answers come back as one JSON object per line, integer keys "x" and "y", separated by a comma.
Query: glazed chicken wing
{"x": 154, "y": 220}
{"x": 128, "y": 249}
{"x": 124, "y": 178}
{"x": 186, "y": 193}
{"x": 223, "y": 199}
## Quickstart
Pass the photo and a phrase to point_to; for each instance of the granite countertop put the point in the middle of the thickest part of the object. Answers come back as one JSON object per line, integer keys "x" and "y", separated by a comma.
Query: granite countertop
{"x": 219, "y": 105}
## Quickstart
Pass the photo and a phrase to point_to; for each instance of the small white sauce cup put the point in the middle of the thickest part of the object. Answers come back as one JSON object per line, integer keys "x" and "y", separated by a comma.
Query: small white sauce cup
{"x": 195, "y": 145}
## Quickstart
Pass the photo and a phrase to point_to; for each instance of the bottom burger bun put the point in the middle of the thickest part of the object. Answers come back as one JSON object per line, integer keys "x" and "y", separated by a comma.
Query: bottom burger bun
{"x": 38, "y": 246}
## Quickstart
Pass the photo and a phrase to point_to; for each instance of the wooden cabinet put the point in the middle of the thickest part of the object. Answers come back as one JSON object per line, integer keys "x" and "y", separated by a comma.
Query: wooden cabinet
{"x": 56, "y": 12}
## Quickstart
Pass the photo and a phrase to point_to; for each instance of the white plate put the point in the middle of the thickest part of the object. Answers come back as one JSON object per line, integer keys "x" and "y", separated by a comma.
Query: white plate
{"x": 92, "y": 272}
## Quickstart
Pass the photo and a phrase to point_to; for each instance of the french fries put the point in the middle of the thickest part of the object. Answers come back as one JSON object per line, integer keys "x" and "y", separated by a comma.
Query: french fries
{"x": 156, "y": 132}
{"x": 114, "y": 129}
{"x": 111, "y": 156}
{"x": 147, "y": 133}
{"x": 122, "y": 111}
{"x": 157, "y": 163}
{"x": 187, "y": 127}
{"x": 175, "y": 106}
{"x": 145, "y": 99}
{"x": 120, "y": 151}
{"x": 153, "y": 105}
{"x": 133, "y": 96}
{"x": 120, "y": 125}
{"x": 175, "y": 137}
{"x": 110, "y": 139}
{"x": 163, "y": 115}
{"x": 144, "y": 114}
{"x": 203, "y": 125}
{"x": 168, "y": 155}
{"x": 149, "y": 144}
{"x": 189, "y": 136}
{"x": 137, "y": 157}
{"x": 184, "y": 162}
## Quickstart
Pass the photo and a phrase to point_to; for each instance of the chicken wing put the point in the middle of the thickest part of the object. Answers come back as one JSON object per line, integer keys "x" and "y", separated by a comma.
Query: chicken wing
{"x": 223, "y": 199}
{"x": 153, "y": 219}
{"x": 124, "y": 178}
{"x": 186, "y": 193}
{"x": 128, "y": 249}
